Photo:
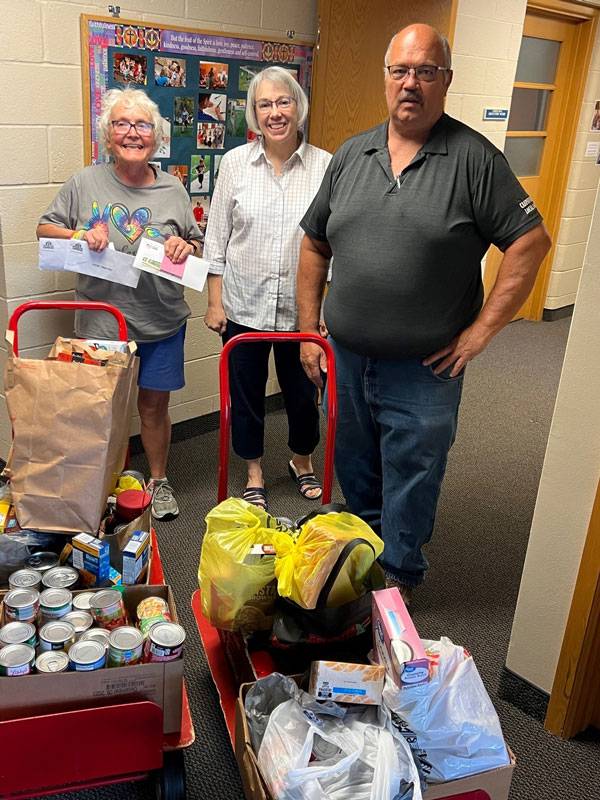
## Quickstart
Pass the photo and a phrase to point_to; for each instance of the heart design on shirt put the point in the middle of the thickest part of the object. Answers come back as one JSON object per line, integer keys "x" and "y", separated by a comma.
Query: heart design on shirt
{"x": 130, "y": 225}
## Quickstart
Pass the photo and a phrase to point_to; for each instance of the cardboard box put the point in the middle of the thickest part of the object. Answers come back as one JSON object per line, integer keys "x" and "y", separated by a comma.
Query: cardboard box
{"x": 91, "y": 558}
{"x": 346, "y": 683}
{"x": 396, "y": 641}
{"x": 135, "y": 558}
{"x": 161, "y": 683}
{"x": 491, "y": 785}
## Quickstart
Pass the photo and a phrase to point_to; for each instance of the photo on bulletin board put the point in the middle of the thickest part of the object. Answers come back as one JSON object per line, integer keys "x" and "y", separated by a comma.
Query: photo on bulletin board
{"x": 212, "y": 107}
{"x": 198, "y": 79}
{"x": 211, "y": 135}
{"x": 180, "y": 171}
{"x": 213, "y": 75}
{"x": 129, "y": 68}
{"x": 200, "y": 174}
{"x": 236, "y": 117}
{"x": 200, "y": 209}
{"x": 169, "y": 71}
{"x": 183, "y": 116}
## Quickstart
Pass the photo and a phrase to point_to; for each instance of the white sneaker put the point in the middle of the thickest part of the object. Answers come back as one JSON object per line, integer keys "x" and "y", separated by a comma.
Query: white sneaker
{"x": 164, "y": 505}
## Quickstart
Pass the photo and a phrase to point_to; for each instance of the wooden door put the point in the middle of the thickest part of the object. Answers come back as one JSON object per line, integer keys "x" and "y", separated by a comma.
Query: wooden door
{"x": 551, "y": 72}
{"x": 347, "y": 93}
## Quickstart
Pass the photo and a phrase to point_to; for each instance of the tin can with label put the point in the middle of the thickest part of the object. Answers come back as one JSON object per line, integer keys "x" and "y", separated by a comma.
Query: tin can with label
{"x": 164, "y": 642}
{"x": 52, "y": 661}
{"x": 97, "y": 635}
{"x": 42, "y": 562}
{"x": 25, "y": 579}
{"x": 16, "y": 659}
{"x": 81, "y": 601}
{"x": 85, "y": 656}
{"x": 18, "y": 633}
{"x": 55, "y": 603}
{"x": 150, "y": 611}
{"x": 61, "y": 578}
{"x": 108, "y": 609}
{"x": 81, "y": 620}
{"x": 125, "y": 646}
{"x": 21, "y": 605}
{"x": 57, "y": 635}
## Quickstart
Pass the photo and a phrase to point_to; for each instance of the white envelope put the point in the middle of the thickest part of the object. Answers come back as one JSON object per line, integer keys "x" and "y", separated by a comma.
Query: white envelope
{"x": 150, "y": 258}
{"x": 110, "y": 265}
{"x": 52, "y": 253}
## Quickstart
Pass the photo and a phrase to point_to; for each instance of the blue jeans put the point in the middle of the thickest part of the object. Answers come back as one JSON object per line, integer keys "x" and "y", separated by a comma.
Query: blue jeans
{"x": 396, "y": 424}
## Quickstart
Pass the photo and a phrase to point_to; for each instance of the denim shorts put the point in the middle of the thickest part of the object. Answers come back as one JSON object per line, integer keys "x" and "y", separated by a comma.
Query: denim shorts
{"x": 161, "y": 363}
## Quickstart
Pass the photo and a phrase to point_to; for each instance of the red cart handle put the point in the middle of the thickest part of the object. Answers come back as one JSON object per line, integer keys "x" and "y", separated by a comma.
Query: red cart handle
{"x": 64, "y": 305}
{"x": 225, "y": 425}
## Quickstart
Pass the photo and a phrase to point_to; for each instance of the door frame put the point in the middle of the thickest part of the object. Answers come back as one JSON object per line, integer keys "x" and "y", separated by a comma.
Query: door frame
{"x": 585, "y": 33}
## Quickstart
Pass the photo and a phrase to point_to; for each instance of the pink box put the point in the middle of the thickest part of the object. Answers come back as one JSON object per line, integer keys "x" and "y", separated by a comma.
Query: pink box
{"x": 396, "y": 641}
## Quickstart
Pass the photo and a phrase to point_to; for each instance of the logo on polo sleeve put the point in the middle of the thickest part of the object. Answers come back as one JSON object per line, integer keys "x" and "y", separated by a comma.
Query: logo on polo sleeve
{"x": 527, "y": 205}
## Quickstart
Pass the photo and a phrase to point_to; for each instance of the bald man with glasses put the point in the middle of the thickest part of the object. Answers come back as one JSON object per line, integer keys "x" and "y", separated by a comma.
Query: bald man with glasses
{"x": 408, "y": 209}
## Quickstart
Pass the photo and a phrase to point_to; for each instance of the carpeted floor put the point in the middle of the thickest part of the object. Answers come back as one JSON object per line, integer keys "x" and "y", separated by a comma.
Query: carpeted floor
{"x": 476, "y": 557}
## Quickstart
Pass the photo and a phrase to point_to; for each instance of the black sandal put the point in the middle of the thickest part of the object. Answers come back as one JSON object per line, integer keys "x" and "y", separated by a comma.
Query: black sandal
{"x": 305, "y": 483}
{"x": 256, "y": 495}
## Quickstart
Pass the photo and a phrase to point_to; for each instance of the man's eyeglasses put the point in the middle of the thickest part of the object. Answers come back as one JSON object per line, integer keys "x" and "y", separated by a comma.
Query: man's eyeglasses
{"x": 426, "y": 72}
{"x": 123, "y": 126}
{"x": 264, "y": 106}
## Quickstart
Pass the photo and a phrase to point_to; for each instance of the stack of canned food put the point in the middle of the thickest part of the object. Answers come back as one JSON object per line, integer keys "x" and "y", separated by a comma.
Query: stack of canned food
{"x": 80, "y": 632}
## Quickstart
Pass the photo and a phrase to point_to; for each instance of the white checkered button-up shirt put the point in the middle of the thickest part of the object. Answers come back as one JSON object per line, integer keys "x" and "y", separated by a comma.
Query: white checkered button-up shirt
{"x": 253, "y": 235}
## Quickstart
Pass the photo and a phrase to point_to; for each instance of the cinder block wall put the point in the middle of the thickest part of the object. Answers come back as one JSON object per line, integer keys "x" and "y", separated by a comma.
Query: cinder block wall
{"x": 41, "y": 140}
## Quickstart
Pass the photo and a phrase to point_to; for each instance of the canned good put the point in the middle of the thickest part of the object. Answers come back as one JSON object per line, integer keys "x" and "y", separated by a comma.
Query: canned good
{"x": 86, "y": 655}
{"x": 81, "y": 601}
{"x": 21, "y": 605}
{"x": 97, "y": 635}
{"x": 61, "y": 578}
{"x": 42, "y": 562}
{"x": 80, "y": 620}
{"x": 18, "y": 633}
{"x": 108, "y": 609}
{"x": 52, "y": 661}
{"x": 150, "y": 611}
{"x": 55, "y": 603}
{"x": 165, "y": 642}
{"x": 16, "y": 659}
{"x": 57, "y": 635}
{"x": 25, "y": 579}
{"x": 125, "y": 646}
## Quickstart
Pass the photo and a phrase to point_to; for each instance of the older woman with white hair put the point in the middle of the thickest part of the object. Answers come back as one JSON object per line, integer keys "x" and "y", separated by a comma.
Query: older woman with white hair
{"x": 253, "y": 242}
{"x": 119, "y": 203}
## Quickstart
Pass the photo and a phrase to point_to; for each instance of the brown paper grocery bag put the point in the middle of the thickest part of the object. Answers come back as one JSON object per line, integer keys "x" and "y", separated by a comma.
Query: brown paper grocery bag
{"x": 70, "y": 434}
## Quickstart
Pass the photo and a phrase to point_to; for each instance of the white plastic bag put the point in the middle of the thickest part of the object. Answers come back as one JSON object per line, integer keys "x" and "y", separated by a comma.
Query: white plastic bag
{"x": 452, "y": 716}
{"x": 355, "y": 760}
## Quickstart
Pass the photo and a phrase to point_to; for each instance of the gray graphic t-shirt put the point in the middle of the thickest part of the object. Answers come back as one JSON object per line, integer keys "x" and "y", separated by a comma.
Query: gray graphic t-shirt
{"x": 95, "y": 196}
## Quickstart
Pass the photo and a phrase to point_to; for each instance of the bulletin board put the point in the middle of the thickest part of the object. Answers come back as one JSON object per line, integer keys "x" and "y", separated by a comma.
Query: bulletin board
{"x": 198, "y": 79}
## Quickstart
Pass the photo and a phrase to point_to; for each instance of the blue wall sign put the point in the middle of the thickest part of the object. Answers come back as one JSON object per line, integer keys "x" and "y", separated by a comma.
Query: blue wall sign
{"x": 495, "y": 113}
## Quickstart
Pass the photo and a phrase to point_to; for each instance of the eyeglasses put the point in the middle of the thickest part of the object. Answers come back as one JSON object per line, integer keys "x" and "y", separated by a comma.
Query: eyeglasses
{"x": 426, "y": 72}
{"x": 123, "y": 126}
{"x": 264, "y": 106}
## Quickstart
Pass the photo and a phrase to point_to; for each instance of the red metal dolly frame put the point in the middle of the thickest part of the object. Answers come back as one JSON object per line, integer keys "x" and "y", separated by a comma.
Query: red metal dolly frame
{"x": 133, "y": 744}
{"x": 219, "y": 666}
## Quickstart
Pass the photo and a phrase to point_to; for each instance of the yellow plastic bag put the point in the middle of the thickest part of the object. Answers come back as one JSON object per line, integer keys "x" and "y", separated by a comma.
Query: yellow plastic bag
{"x": 302, "y": 566}
{"x": 237, "y": 566}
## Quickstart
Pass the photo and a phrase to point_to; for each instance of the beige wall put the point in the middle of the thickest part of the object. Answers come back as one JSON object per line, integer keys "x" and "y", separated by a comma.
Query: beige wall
{"x": 567, "y": 489}
{"x": 41, "y": 144}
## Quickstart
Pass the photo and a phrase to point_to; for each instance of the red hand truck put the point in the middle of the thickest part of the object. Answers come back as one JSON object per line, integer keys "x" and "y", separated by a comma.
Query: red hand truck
{"x": 213, "y": 639}
{"x": 67, "y": 755}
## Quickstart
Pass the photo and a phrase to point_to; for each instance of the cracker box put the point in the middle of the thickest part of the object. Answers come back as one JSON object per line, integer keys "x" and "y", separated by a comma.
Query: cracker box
{"x": 91, "y": 557}
{"x": 135, "y": 558}
{"x": 346, "y": 683}
{"x": 396, "y": 641}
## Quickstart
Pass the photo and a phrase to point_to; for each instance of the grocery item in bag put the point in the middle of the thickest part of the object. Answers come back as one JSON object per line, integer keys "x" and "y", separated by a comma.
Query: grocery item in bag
{"x": 237, "y": 566}
{"x": 452, "y": 717}
{"x": 304, "y": 564}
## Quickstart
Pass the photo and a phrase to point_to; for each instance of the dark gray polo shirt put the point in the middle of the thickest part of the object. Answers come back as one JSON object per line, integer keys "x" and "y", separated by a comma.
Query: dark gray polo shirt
{"x": 407, "y": 253}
